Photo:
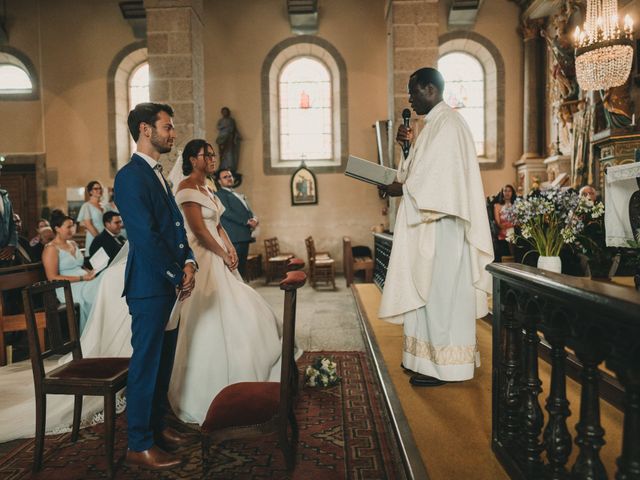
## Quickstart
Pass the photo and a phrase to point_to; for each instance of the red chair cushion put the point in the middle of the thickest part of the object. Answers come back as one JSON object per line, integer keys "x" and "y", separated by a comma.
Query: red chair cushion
{"x": 96, "y": 368}
{"x": 295, "y": 264}
{"x": 243, "y": 404}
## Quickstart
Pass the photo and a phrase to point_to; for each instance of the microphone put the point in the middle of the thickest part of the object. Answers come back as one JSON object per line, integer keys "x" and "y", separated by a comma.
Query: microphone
{"x": 406, "y": 118}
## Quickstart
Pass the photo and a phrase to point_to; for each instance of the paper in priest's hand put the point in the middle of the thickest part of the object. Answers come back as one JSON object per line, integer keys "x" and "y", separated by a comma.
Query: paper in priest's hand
{"x": 99, "y": 260}
{"x": 369, "y": 172}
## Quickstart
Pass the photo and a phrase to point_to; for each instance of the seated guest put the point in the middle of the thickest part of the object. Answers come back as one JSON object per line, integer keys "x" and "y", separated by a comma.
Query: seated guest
{"x": 505, "y": 198}
{"x": 42, "y": 223}
{"x": 63, "y": 260}
{"x": 589, "y": 192}
{"x": 45, "y": 236}
{"x": 110, "y": 238}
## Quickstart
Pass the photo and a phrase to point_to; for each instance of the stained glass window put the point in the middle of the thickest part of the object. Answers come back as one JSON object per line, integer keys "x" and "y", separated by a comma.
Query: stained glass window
{"x": 305, "y": 110}
{"x": 464, "y": 90}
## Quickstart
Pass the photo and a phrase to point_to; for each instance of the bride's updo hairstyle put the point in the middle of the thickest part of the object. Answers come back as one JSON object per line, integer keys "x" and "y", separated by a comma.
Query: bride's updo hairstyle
{"x": 192, "y": 149}
{"x": 58, "y": 217}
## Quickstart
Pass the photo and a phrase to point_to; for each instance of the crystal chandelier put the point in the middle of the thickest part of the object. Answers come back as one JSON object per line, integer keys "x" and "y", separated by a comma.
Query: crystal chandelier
{"x": 604, "y": 52}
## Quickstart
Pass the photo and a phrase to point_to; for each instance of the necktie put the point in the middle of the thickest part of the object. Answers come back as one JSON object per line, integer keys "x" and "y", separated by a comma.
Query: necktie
{"x": 158, "y": 167}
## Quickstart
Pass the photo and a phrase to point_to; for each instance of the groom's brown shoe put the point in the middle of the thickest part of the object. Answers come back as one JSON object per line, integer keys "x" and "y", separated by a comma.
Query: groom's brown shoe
{"x": 153, "y": 459}
{"x": 170, "y": 439}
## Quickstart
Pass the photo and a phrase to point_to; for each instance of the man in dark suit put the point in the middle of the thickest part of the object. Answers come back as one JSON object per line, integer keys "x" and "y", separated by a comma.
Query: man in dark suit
{"x": 110, "y": 238}
{"x": 238, "y": 219}
{"x": 160, "y": 266}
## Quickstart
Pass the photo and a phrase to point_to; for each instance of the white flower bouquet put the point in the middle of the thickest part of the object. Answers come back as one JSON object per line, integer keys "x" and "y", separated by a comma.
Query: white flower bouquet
{"x": 552, "y": 218}
{"x": 322, "y": 373}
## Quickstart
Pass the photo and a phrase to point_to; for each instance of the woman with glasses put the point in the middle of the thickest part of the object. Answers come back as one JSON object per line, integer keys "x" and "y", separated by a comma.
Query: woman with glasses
{"x": 91, "y": 212}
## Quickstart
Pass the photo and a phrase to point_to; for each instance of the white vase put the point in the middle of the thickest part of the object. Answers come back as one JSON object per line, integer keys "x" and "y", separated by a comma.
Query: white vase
{"x": 551, "y": 264}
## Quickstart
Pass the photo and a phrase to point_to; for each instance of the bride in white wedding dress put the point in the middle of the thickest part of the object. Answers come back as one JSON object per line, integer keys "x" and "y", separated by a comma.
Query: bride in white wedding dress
{"x": 228, "y": 333}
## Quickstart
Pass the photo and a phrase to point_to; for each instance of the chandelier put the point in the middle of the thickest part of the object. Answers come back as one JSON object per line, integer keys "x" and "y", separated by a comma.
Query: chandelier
{"x": 604, "y": 51}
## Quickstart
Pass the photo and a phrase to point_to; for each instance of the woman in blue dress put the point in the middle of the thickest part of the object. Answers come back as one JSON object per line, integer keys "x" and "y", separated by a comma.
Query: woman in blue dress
{"x": 91, "y": 212}
{"x": 63, "y": 260}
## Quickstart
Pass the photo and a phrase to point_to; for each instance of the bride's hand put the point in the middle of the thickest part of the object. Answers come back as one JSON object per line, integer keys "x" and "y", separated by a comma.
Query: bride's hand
{"x": 229, "y": 262}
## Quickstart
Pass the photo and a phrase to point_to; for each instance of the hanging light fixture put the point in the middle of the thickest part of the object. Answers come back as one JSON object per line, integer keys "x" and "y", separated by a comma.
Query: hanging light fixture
{"x": 604, "y": 51}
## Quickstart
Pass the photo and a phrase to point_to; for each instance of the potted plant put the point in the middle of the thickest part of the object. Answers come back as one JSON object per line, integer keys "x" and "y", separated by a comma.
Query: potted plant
{"x": 550, "y": 219}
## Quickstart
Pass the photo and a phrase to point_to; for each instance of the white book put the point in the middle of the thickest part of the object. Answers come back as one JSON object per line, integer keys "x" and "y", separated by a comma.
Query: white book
{"x": 369, "y": 172}
{"x": 99, "y": 260}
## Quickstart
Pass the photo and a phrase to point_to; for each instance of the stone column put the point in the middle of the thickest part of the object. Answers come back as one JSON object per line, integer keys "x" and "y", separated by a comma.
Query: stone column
{"x": 412, "y": 43}
{"x": 176, "y": 65}
{"x": 533, "y": 122}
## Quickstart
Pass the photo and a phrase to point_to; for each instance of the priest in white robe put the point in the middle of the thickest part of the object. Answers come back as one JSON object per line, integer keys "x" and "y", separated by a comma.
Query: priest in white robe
{"x": 436, "y": 284}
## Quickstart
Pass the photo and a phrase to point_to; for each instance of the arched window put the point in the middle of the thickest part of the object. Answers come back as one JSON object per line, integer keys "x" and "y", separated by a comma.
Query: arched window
{"x": 464, "y": 91}
{"x": 305, "y": 110}
{"x": 473, "y": 70}
{"x": 304, "y": 107}
{"x": 17, "y": 76}
{"x": 139, "y": 85}
{"x": 127, "y": 85}
{"x": 138, "y": 91}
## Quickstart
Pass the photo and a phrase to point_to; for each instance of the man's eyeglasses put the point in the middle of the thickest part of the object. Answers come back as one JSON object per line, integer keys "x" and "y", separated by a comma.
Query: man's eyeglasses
{"x": 226, "y": 177}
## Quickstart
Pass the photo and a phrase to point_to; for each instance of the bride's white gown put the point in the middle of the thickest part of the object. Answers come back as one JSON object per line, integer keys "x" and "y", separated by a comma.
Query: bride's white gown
{"x": 228, "y": 334}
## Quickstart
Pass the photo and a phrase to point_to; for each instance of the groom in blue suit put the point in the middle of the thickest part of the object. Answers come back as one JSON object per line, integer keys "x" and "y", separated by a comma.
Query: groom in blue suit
{"x": 160, "y": 268}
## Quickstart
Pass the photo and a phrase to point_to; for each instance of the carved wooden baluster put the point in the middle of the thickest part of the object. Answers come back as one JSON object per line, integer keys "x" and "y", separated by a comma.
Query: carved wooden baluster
{"x": 556, "y": 436}
{"x": 531, "y": 414}
{"x": 511, "y": 368}
{"x": 590, "y": 434}
{"x": 629, "y": 461}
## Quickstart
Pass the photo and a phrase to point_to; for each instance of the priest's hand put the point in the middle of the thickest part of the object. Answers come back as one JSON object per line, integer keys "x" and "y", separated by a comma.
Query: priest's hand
{"x": 405, "y": 134}
{"x": 393, "y": 190}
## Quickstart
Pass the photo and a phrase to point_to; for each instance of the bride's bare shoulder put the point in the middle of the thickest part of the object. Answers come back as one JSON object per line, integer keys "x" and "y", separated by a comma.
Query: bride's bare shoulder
{"x": 185, "y": 184}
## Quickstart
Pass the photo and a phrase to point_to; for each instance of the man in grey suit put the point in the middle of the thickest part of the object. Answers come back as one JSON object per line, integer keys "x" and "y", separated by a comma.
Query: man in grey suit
{"x": 238, "y": 219}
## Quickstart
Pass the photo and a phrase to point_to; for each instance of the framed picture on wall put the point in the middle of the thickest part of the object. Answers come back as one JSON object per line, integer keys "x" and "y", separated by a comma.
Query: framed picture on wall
{"x": 304, "y": 188}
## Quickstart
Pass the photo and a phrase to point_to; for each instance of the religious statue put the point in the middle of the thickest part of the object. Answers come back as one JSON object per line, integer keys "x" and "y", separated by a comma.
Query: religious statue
{"x": 618, "y": 106}
{"x": 563, "y": 71}
{"x": 228, "y": 141}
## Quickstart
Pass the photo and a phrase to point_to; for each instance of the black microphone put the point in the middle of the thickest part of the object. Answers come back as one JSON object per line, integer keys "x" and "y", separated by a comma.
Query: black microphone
{"x": 406, "y": 118}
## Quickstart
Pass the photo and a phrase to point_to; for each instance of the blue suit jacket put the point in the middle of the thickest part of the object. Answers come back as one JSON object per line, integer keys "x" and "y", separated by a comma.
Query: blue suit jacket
{"x": 235, "y": 217}
{"x": 158, "y": 246}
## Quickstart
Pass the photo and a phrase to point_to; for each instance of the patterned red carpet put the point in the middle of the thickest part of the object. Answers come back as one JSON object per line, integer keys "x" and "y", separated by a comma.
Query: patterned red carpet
{"x": 343, "y": 435}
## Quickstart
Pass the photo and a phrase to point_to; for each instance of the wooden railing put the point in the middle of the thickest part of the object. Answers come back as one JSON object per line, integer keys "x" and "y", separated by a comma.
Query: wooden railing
{"x": 600, "y": 322}
{"x": 382, "y": 243}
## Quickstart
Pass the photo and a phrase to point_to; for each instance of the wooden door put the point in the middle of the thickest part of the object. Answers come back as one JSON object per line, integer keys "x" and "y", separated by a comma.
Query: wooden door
{"x": 20, "y": 181}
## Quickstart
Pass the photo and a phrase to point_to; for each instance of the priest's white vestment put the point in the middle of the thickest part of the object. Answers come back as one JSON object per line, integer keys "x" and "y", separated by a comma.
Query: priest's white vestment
{"x": 436, "y": 283}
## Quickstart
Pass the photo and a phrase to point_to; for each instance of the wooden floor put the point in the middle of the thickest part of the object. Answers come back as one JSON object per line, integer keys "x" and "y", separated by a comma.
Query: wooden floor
{"x": 450, "y": 425}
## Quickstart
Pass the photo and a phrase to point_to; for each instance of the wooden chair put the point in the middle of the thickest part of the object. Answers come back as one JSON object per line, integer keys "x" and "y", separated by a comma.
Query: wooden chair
{"x": 12, "y": 319}
{"x": 251, "y": 409}
{"x": 253, "y": 269}
{"x": 357, "y": 263}
{"x": 81, "y": 376}
{"x": 321, "y": 265}
{"x": 276, "y": 262}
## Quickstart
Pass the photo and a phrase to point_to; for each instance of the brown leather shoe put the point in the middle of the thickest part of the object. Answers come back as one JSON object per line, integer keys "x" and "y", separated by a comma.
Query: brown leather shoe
{"x": 170, "y": 439}
{"x": 153, "y": 459}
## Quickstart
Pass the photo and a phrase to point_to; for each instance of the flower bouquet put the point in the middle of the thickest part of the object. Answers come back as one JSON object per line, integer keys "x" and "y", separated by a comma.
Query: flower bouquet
{"x": 551, "y": 219}
{"x": 322, "y": 373}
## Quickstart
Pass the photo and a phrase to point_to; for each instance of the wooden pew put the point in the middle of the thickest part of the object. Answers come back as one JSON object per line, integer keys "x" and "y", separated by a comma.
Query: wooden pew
{"x": 17, "y": 278}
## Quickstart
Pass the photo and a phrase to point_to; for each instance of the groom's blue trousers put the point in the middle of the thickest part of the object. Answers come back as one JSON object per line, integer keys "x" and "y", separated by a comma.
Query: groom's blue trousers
{"x": 149, "y": 368}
